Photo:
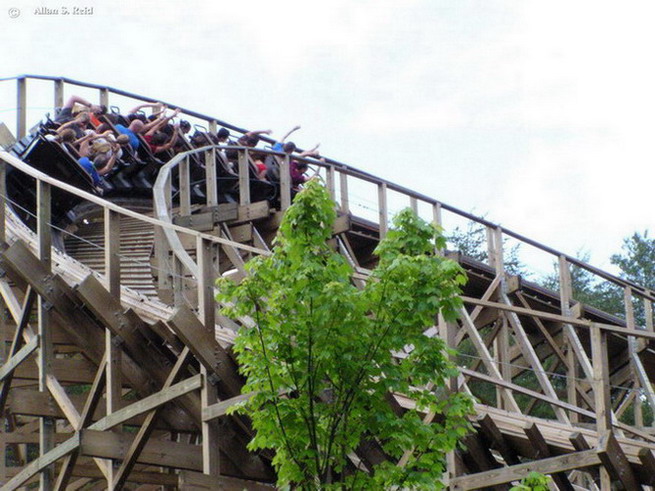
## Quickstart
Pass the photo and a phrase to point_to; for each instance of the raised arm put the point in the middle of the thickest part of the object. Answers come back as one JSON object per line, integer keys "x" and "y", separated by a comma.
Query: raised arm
{"x": 258, "y": 132}
{"x": 170, "y": 142}
{"x": 109, "y": 166}
{"x": 310, "y": 153}
{"x": 153, "y": 126}
{"x": 146, "y": 104}
{"x": 295, "y": 128}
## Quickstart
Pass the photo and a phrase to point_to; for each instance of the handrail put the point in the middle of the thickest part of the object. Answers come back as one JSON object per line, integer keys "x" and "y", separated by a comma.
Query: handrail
{"x": 40, "y": 176}
{"x": 347, "y": 170}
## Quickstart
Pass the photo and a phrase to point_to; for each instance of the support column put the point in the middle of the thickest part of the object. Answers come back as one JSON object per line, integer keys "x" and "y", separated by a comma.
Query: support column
{"x": 21, "y": 106}
{"x": 572, "y": 369}
{"x": 206, "y": 254}
{"x": 113, "y": 353}
{"x": 45, "y": 355}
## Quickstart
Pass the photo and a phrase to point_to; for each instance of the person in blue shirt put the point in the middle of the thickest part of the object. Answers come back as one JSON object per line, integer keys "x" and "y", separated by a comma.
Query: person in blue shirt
{"x": 98, "y": 168}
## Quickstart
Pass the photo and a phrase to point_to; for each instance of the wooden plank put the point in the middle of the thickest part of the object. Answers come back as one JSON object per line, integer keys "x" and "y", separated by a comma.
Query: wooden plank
{"x": 486, "y": 357}
{"x": 42, "y": 462}
{"x": 110, "y": 445}
{"x": 647, "y": 459}
{"x": 496, "y": 440}
{"x": 90, "y": 406}
{"x": 523, "y": 341}
{"x": 602, "y": 396}
{"x": 220, "y": 408}
{"x": 244, "y": 177}
{"x": 206, "y": 349}
{"x": 612, "y": 457}
{"x": 285, "y": 182}
{"x": 148, "y": 403}
{"x": 146, "y": 429}
{"x": 195, "y": 480}
{"x": 21, "y": 106}
{"x": 563, "y": 463}
{"x": 12, "y": 363}
{"x": 542, "y": 451}
{"x": 383, "y": 212}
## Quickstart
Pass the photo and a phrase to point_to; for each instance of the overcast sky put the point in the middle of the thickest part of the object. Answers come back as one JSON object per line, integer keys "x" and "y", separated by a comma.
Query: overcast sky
{"x": 537, "y": 114}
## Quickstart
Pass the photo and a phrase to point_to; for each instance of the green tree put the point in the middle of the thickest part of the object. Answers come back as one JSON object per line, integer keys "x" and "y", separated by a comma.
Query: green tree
{"x": 637, "y": 261}
{"x": 471, "y": 241}
{"x": 319, "y": 357}
{"x": 535, "y": 481}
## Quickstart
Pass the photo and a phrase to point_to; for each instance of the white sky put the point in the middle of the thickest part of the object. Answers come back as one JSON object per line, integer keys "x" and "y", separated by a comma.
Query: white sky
{"x": 537, "y": 114}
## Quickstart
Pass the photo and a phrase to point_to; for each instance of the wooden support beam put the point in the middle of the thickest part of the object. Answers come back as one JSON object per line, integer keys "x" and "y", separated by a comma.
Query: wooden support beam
{"x": 42, "y": 462}
{"x": 206, "y": 349}
{"x": 495, "y": 439}
{"x": 542, "y": 451}
{"x": 480, "y": 454}
{"x": 139, "y": 442}
{"x": 12, "y": 363}
{"x": 528, "y": 351}
{"x": 195, "y": 480}
{"x": 563, "y": 463}
{"x": 486, "y": 357}
{"x": 148, "y": 403}
{"x": 343, "y": 192}
{"x": 285, "y": 182}
{"x": 26, "y": 309}
{"x": 614, "y": 460}
{"x": 383, "y": 213}
{"x": 244, "y": 177}
{"x": 21, "y": 106}
{"x": 92, "y": 401}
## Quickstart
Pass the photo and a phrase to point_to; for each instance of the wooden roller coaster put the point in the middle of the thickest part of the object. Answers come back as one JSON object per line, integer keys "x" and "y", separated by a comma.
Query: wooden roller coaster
{"x": 116, "y": 366}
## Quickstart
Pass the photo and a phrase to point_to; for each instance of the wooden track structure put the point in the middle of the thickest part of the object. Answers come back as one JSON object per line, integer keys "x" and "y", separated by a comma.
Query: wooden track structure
{"x": 112, "y": 382}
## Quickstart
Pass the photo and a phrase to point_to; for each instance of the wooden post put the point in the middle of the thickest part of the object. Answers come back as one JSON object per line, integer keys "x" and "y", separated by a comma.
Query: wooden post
{"x": 382, "y": 209}
{"x": 343, "y": 191}
{"x": 213, "y": 126}
{"x": 207, "y": 315}
{"x": 601, "y": 379}
{"x": 45, "y": 355}
{"x": 113, "y": 353}
{"x": 59, "y": 94}
{"x": 21, "y": 105}
{"x": 633, "y": 353}
{"x": 185, "y": 187}
{"x": 211, "y": 183}
{"x": 413, "y": 203}
{"x": 648, "y": 313}
{"x": 285, "y": 183}
{"x": 330, "y": 183}
{"x": 104, "y": 97}
{"x": 244, "y": 178}
{"x": 3, "y": 200}
{"x": 566, "y": 298}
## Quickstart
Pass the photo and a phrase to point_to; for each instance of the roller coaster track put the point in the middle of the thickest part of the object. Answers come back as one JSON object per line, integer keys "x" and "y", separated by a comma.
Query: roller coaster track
{"x": 118, "y": 365}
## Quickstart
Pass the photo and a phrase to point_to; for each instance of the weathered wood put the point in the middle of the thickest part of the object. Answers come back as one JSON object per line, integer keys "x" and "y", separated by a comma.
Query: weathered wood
{"x": 26, "y": 309}
{"x": 563, "y": 463}
{"x": 486, "y": 357}
{"x": 612, "y": 456}
{"x": 285, "y": 182}
{"x": 12, "y": 363}
{"x": 95, "y": 393}
{"x": 496, "y": 440}
{"x": 603, "y": 402}
{"x": 542, "y": 451}
{"x": 195, "y": 480}
{"x": 21, "y": 106}
{"x": 383, "y": 213}
{"x": 139, "y": 442}
{"x": 148, "y": 403}
{"x": 528, "y": 351}
{"x": 43, "y": 461}
{"x": 244, "y": 177}
{"x": 206, "y": 349}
